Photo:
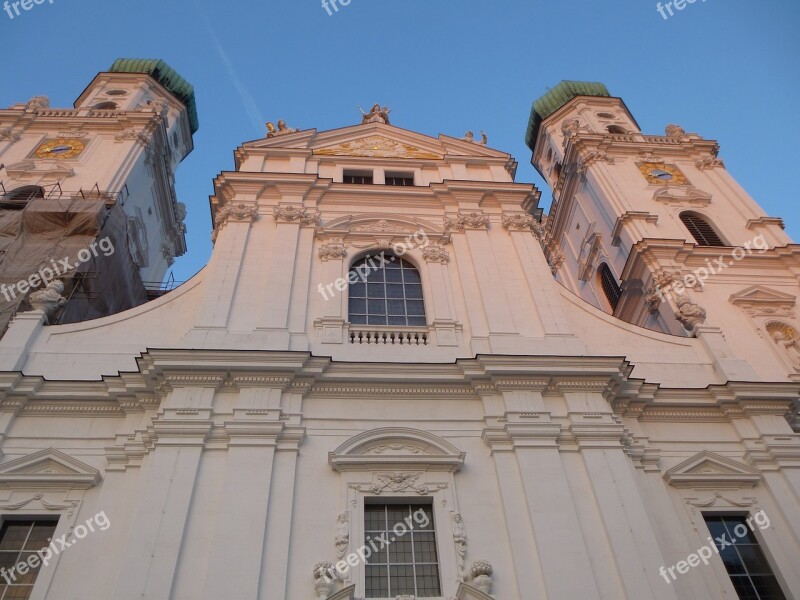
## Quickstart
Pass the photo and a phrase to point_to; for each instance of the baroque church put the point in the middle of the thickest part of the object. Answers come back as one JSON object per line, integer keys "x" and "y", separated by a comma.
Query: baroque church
{"x": 396, "y": 378}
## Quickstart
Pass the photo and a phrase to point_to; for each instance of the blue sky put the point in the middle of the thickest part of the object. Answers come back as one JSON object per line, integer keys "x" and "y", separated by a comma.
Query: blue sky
{"x": 726, "y": 69}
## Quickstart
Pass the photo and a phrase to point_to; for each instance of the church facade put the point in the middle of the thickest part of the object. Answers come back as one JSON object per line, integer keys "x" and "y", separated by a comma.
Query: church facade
{"x": 396, "y": 379}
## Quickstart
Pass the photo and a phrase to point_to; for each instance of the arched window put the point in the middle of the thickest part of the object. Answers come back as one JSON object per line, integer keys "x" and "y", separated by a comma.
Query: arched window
{"x": 105, "y": 106}
{"x": 611, "y": 288}
{"x": 17, "y": 199}
{"x": 616, "y": 129}
{"x": 388, "y": 291}
{"x": 701, "y": 230}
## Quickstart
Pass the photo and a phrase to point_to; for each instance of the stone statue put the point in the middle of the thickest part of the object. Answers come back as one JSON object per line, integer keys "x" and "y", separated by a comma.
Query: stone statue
{"x": 376, "y": 114}
{"x": 460, "y": 539}
{"x": 38, "y": 103}
{"x": 49, "y": 299}
{"x": 674, "y": 131}
{"x": 282, "y": 129}
{"x": 470, "y": 137}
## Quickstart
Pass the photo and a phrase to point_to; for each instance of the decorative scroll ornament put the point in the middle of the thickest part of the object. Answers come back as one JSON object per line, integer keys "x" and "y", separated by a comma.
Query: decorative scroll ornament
{"x": 324, "y": 579}
{"x": 709, "y": 162}
{"x": 593, "y": 157}
{"x": 9, "y": 134}
{"x": 556, "y": 259}
{"x": 481, "y": 572}
{"x": 282, "y": 129}
{"x": 399, "y": 482}
{"x": 382, "y": 226}
{"x": 689, "y": 314}
{"x": 473, "y": 220}
{"x": 435, "y": 254}
{"x": 236, "y": 212}
{"x": 293, "y": 214}
{"x": 518, "y": 222}
{"x": 168, "y": 252}
{"x": 332, "y": 252}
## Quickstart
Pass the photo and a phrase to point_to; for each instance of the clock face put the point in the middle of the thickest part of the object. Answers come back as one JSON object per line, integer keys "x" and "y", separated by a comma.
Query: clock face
{"x": 662, "y": 174}
{"x": 60, "y": 148}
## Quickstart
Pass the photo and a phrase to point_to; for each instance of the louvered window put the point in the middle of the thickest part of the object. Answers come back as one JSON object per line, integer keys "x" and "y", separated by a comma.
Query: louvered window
{"x": 701, "y": 230}
{"x": 610, "y": 286}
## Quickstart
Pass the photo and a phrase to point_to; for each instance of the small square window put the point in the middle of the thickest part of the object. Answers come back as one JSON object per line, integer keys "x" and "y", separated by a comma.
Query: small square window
{"x": 357, "y": 177}
{"x": 400, "y": 179}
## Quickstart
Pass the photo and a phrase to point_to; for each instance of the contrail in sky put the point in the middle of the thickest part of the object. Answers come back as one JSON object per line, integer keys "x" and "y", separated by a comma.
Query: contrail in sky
{"x": 250, "y": 105}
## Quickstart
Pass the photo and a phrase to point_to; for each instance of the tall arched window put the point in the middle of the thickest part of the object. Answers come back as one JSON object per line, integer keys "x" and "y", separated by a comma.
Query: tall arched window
{"x": 388, "y": 291}
{"x": 701, "y": 230}
{"x": 611, "y": 288}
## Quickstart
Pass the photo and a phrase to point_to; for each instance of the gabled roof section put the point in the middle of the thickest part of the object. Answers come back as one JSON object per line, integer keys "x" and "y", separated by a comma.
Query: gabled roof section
{"x": 377, "y": 140}
{"x": 166, "y": 76}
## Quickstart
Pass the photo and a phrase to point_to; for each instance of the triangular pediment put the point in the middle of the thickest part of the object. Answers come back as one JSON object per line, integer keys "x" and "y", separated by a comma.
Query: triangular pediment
{"x": 710, "y": 470}
{"x": 378, "y": 141}
{"x": 396, "y": 447}
{"x": 759, "y": 294}
{"x": 48, "y": 467}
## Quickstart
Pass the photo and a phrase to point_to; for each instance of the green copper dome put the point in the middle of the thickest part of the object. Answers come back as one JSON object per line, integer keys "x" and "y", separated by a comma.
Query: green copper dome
{"x": 166, "y": 76}
{"x": 555, "y": 99}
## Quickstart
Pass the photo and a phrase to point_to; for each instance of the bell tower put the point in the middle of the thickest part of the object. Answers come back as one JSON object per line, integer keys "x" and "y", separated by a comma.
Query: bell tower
{"x": 650, "y": 228}
{"x": 104, "y": 168}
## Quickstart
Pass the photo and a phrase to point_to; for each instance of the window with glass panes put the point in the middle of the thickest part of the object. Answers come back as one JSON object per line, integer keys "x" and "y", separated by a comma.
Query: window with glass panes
{"x": 747, "y": 566}
{"x": 391, "y": 295}
{"x": 20, "y": 539}
{"x": 408, "y": 564}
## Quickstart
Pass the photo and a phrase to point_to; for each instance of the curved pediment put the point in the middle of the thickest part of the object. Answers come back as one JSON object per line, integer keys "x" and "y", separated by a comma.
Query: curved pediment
{"x": 396, "y": 447}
